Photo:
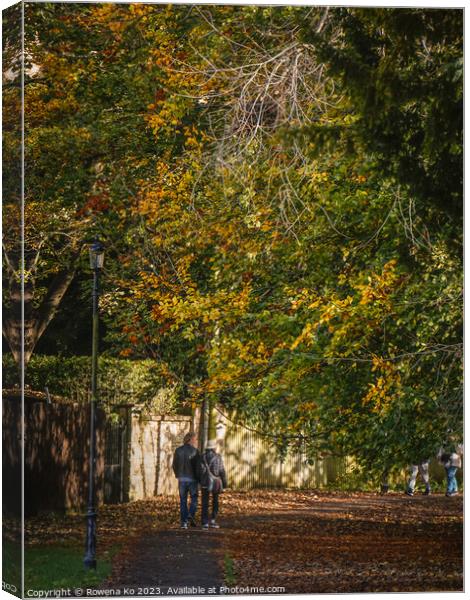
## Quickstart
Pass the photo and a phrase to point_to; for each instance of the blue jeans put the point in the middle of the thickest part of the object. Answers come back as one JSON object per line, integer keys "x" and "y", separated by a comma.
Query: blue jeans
{"x": 185, "y": 488}
{"x": 451, "y": 479}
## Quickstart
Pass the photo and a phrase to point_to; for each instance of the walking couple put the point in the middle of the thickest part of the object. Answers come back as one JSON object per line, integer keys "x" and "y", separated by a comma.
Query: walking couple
{"x": 193, "y": 469}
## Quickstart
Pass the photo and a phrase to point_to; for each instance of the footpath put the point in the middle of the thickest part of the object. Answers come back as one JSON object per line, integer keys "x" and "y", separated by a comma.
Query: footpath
{"x": 173, "y": 562}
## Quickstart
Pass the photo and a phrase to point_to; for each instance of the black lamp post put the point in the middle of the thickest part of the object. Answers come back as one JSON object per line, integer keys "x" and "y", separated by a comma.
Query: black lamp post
{"x": 96, "y": 264}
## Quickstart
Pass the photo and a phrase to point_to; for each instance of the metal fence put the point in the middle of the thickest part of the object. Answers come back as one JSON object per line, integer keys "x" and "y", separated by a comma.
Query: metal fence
{"x": 115, "y": 457}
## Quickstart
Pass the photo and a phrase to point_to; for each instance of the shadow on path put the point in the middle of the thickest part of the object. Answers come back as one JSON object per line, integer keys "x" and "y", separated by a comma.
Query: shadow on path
{"x": 187, "y": 561}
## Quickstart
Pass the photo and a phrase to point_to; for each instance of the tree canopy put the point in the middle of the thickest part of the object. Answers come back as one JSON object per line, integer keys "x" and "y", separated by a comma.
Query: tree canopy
{"x": 280, "y": 192}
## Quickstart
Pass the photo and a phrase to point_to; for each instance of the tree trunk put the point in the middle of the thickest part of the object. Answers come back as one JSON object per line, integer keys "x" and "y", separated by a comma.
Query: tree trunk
{"x": 211, "y": 429}
{"x": 36, "y": 320}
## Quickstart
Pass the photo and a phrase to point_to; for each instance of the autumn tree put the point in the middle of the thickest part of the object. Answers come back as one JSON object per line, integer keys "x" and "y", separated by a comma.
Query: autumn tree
{"x": 279, "y": 189}
{"x": 285, "y": 269}
{"x": 84, "y": 91}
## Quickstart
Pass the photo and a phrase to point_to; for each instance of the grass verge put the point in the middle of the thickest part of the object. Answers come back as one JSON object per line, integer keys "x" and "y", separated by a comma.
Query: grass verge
{"x": 54, "y": 567}
{"x": 11, "y": 566}
{"x": 229, "y": 571}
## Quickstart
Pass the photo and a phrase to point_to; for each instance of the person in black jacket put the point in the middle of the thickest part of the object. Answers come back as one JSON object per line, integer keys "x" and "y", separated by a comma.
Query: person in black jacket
{"x": 185, "y": 467}
{"x": 213, "y": 481}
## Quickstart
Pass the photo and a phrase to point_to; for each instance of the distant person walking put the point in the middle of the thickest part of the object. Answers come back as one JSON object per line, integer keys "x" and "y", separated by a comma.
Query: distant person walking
{"x": 213, "y": 482}
{"x": 452, "y": 461}
{"x": 185, "y": 468}
{"x": 423, "y": 469}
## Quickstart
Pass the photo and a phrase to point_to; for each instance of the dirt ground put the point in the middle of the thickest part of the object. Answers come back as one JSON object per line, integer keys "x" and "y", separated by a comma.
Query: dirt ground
{"x": 303, "y": 542}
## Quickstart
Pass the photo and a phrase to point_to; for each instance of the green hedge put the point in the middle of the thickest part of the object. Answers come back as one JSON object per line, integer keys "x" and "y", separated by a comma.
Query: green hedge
{"x": 120, "y": 381}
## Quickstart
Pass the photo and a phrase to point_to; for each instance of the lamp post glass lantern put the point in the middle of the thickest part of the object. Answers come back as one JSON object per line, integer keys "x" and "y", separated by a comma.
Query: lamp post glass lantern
{"x": 96, "y": 264}
{"x": 96, "y": 256}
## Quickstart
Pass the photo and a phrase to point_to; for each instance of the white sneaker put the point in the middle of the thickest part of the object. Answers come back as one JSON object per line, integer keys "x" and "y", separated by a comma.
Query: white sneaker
{"x": 214, "y": 525}
{"x": 205, "y": 527}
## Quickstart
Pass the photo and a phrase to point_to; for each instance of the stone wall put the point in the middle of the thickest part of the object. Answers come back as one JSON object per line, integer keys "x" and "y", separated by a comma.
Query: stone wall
{"x": 152, "y": 442}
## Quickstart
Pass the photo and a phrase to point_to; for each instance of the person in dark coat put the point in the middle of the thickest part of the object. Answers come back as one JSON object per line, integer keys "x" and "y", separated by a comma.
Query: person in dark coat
{"x": 213, "y": 481}
{"x": 185, "y": 467}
